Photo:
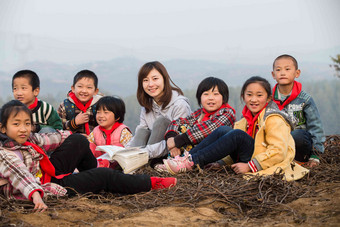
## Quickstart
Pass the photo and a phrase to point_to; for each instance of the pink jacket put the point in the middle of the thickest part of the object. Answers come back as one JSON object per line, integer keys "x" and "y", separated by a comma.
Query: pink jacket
{"x": 100, "y": 139}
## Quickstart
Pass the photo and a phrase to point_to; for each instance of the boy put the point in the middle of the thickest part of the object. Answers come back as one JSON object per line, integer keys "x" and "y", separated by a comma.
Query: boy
{"x": 26, "y": 88}
{"x": 79, "y": 109}
{"x": 287, "y": 94}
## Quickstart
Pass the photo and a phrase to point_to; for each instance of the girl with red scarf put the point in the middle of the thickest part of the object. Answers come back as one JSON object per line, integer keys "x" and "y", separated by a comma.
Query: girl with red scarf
{"x": 26, "y": 172}
{"x": 110, "y": 113}
{"x": 184, "y": 133}
{"x": 260, "y": 142}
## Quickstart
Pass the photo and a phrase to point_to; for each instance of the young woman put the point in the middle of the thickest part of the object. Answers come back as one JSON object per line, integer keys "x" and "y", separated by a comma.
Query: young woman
{"x": 260, "y": 143}
{"x": 162, "y": 102}
{"x": 27, "y": 172}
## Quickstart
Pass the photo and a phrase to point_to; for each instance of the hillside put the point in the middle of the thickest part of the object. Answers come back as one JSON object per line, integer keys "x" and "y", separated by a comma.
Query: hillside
{"x": 119, "y": 76}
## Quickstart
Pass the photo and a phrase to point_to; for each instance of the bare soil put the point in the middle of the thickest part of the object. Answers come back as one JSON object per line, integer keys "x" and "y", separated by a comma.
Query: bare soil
{"x": 201, "y": 199}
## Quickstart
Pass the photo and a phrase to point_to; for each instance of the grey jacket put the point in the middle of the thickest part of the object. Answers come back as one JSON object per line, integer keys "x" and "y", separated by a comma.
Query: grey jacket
{"x": 177, "y": 107}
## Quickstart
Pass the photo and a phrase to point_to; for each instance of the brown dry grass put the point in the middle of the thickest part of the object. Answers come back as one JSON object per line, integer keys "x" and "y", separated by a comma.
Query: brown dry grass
{"x": 208, "y": 198}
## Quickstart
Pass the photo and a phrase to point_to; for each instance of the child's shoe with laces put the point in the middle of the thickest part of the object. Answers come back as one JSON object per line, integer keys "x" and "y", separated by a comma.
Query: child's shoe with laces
{"x": 179, "y": 164}
{"x": 161, "y": 168}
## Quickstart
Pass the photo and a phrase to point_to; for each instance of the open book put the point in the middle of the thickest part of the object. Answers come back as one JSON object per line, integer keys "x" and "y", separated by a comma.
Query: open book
{"x": 129, "y": 159}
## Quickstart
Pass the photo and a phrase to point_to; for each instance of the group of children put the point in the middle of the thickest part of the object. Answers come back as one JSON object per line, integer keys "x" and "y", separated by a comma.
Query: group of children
{"x": 40, "y": 148}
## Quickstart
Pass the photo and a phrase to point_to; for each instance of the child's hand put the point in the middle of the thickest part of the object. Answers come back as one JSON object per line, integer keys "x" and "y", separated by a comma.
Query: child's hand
{"x": 175, "y": 151}
{"x": 213, "y": 166}
{"x": 82, "y": 118}
{"x": 40, "y": 206}
{"x": 312, "y": 163}
{"x": 170, "y": 143}
{"x": 240, "y": 168}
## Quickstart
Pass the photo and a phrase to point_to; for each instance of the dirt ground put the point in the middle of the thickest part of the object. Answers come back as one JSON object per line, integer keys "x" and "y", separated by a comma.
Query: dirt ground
{"x": 322, "y": 210}
{"x": 200, "y": 200}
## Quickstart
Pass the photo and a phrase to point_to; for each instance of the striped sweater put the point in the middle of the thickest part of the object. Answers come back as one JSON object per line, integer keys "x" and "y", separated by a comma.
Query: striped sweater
{"x": 44, "y": 115}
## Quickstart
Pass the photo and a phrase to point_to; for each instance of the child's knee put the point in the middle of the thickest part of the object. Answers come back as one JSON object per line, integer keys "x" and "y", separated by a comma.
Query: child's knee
{"x": 161, "y": 122}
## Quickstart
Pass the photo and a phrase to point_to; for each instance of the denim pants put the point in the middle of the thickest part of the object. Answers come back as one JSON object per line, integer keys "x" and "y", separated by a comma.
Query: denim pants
{"x": 303, "y": 144}
{"x": 74, "y": 153}
{"x": 222, "y": 142}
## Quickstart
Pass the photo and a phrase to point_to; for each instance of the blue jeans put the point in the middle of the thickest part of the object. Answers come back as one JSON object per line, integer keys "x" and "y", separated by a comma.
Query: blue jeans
{"x": 222, "y": 142}
{"x": 303, "y": 145}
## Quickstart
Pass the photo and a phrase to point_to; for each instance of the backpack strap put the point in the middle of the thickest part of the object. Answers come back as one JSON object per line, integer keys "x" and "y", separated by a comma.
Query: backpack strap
{"x": 69, "y": 108}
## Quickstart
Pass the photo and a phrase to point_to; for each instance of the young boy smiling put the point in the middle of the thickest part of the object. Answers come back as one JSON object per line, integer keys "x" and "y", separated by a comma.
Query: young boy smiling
{"x": 78, "y": 110}
{"x": 26, "y": 88}
{"x": 288, "y": 94}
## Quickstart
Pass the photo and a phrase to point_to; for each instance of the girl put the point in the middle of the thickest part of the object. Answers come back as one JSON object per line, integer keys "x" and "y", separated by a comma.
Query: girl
{"x": 212, "y": 95}
{"x": 30, "y": 174}
{"x": 110, "y": 113}
{"x": 261, "y": 142}
{"x": 161, "y": 103}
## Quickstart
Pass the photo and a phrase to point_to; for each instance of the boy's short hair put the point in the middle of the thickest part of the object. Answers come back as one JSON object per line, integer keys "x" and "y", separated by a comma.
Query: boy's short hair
{"x": 113, "y": 104}
{"x": 32, "y": 77}
{"x": 86, "y": 74}
{"x": 287, "y": 56}
{"x": 212, "y": 82}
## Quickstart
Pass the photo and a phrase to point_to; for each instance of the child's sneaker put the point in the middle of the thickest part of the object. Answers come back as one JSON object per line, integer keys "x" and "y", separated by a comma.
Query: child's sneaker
{"x": 179, "y": 164}
{"x": 161, "y": 168}
{"x": 161, "y": 183}
{"x": 103, "y": 163}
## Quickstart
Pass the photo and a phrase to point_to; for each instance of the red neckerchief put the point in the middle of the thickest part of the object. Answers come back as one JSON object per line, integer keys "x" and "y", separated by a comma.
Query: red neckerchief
{"x": 295, "y": 92}
{"x": 33, "y": 105}
{"x": 83, "y": 108}
{"x": 46, "y": 166}
{"x": 207, "y": 114}
{"x": 108, "y": 132}
{"x": 251, "y": 120}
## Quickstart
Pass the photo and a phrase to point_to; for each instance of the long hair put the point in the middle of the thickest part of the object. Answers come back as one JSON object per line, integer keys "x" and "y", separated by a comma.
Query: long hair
{"x": 143, "y": 98}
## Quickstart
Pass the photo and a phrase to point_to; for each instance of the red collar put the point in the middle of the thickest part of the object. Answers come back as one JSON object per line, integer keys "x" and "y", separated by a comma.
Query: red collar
{"x": 207, "y": 114}
{"x": 297, "y": 87}
{"x": 108, "y": 132}
{"x": 82, "y": 107}
{"x": 34, "y": 104}
{"x": 251, "y": 120}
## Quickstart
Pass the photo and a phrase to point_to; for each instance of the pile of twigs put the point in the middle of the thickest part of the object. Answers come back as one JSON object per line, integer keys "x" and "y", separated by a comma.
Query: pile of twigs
{"x": 230, "y": 194}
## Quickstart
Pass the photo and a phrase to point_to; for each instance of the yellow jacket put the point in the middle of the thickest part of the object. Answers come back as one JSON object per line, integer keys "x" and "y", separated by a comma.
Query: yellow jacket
{"x": 274, "y": 148}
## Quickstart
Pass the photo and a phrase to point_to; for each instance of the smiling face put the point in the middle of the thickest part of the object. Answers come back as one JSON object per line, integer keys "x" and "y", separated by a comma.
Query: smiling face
{"x": 255, "y": 97}
{"x": 153, "y": 84}
{"x": 22, "y": 91}
{"x": 105, "y": 118}
{"x": 18, "y": 127}
{"x": 211, "y": 100}
{"x": 285, "y": 72}
{"x": 84, "y": 89}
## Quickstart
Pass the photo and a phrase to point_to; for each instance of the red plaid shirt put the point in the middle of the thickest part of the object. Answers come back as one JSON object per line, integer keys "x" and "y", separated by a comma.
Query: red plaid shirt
{"x": 197, "y": 129}
{"x": 23, "y": 174}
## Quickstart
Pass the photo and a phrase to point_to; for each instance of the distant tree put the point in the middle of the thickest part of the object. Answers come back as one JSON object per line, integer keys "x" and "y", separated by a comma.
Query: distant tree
{"x": 336, "y": 66}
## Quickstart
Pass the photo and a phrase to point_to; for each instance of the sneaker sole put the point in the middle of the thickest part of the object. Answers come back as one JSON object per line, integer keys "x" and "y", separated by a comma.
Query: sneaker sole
{"x": 160, "y": 170}
{"x": 169, "y": 169}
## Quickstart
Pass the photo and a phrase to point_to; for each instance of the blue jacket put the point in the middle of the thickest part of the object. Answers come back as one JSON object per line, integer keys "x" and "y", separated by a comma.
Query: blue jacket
{"x": 304, "y": 109}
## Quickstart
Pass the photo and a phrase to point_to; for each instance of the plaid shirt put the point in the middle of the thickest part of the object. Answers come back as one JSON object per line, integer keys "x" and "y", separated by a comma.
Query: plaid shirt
{"x": 23, "y": 174}
{"x": 197, "y": 129}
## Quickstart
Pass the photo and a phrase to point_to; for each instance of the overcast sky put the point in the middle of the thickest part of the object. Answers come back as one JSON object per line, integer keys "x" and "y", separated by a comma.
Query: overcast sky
{"x": 234, "y": 31}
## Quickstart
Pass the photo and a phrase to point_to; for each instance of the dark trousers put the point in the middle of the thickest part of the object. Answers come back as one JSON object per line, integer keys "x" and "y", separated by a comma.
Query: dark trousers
{"x": 303, "y": 145}
{"x": 222, "y": 142}
{"x": 75, "y": 153}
